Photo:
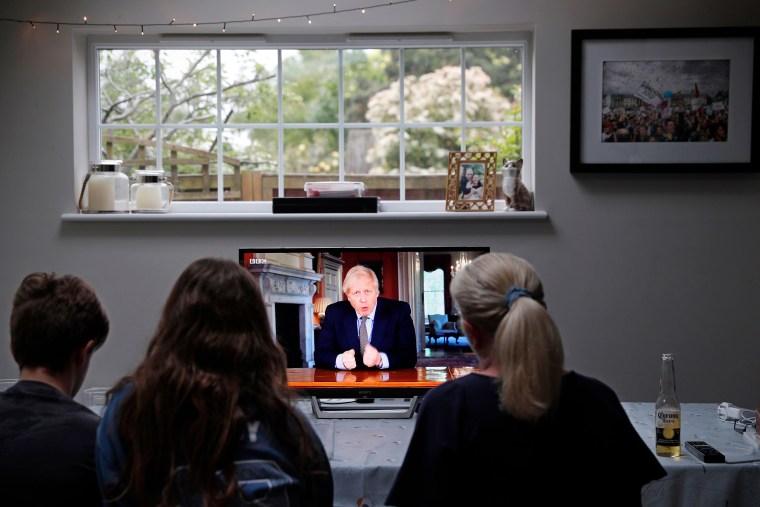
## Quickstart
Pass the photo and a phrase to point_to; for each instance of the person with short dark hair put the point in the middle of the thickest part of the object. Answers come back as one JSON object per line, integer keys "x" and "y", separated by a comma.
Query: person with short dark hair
{"x": 207, "y": 417}
{"x": 47, "y": 440}
{"x": 523, "y": 429}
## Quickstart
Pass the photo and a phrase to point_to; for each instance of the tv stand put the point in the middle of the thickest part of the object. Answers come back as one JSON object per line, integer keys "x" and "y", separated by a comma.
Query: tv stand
{"x": 364, "y": 408}
{"x": 369, "y": 394}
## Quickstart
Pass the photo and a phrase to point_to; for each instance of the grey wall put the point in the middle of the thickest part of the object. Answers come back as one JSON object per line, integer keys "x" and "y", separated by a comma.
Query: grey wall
{"x": 633, "y": 265}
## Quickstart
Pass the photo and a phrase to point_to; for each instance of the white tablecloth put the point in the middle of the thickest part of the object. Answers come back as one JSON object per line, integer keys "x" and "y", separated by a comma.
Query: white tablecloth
{"x": 689, "y": 481}
{"x": 366, "y": 454}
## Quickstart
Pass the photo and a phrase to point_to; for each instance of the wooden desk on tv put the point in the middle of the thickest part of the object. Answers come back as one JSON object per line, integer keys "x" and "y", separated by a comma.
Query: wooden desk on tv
{"x": 369, "y": 393}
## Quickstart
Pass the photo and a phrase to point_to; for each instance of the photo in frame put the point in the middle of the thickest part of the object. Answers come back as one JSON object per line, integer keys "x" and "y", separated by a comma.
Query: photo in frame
{"x": 471, "y": 184}
{"x": 681, "y": 100}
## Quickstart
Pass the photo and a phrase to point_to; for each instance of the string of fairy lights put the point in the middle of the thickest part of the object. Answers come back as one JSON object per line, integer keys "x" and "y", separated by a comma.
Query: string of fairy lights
{"x": 223, "y": 24}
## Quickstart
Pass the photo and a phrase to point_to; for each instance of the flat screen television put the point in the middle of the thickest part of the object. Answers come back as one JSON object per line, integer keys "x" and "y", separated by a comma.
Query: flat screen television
{"x": 298, "y": 283}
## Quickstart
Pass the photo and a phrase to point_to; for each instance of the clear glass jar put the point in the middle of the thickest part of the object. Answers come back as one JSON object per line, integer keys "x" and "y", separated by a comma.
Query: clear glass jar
{"x": 105, "y": 189}
{"x": 150, "y": 192}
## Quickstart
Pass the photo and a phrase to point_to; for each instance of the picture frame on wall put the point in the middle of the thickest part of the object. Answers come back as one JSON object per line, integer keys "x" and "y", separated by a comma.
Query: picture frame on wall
{"x": 471, "y": 183}
{"x": 681, "y": 100}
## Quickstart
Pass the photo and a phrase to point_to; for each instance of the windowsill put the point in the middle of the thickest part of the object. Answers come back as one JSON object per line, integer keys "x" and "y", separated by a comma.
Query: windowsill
{"x": 262, "y": 211}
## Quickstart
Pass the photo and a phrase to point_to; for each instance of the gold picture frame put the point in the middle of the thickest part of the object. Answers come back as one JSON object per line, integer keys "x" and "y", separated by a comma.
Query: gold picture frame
{"x": 465, "y": 166}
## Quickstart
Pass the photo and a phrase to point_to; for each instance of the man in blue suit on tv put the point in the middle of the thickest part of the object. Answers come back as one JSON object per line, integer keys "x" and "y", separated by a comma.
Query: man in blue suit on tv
{"x": 366, "y": 331}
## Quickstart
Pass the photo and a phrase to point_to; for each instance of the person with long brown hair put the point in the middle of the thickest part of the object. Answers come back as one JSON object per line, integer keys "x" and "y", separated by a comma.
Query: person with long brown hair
{"x": 207, "y": 416}
{"x": 522, "y": 430}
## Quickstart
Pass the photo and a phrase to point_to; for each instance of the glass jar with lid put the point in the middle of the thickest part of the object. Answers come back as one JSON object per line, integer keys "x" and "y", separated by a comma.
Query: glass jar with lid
{"x": 105, "y": 189}
{"x": 151, "y": 192}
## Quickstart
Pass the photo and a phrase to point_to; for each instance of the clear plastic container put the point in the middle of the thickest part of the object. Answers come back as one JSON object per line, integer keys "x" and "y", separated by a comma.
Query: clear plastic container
{"x": 334, "y": 188}
{"x": 150, "y": 192}
{"x": 105, "y": 189}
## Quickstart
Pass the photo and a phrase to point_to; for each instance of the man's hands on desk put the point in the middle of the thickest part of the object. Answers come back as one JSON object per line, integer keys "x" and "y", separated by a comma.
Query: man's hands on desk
{"x": 371, "y": 358}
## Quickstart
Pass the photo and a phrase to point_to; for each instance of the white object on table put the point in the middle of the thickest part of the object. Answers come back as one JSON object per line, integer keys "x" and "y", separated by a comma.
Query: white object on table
{"x": 95, "y": 399}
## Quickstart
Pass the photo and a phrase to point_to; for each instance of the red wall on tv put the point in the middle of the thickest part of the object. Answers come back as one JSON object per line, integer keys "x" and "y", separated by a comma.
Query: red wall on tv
{"x": 388, "y": 261}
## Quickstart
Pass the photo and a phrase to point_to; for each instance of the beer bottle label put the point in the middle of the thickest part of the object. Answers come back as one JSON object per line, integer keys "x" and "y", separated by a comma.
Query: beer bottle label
{"x": 668, "y": 430}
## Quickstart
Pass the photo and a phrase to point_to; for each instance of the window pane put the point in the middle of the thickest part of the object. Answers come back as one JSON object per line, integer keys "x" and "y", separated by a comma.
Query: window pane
{"x": 190, "y": 162}
{"x": 370, "y": 79}
{"x": 188, "y": 86}
{"x": 127, "y": 86}
{"x": 494, "y": 84}
{"x": 249, "y": 86}
{"x": 309, "y": 152}
{"x": 136, "y": 147}
{"x": 310, "y": 86}
{"x": 255, "y": 152}
{"x": 432, "y": 85}
{"x": 433, "y": 292}
{"x": 427, "y": 149}
{"x": 371, "y": 156}
{"x": 427, "y": 160}
{"x": 507, "y": 141}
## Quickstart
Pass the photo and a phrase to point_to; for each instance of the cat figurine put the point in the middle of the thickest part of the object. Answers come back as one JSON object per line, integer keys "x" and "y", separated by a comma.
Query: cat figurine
{"x": 517, "y": 195}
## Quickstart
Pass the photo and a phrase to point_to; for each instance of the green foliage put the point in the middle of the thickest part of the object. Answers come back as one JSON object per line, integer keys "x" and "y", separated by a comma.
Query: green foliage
{"x": 365, "y": 73}
{"x": 371, "y": 89}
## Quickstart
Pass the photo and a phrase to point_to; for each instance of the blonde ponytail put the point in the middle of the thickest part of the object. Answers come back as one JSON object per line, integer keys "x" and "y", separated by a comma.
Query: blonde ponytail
{"x": 502, "y": 295}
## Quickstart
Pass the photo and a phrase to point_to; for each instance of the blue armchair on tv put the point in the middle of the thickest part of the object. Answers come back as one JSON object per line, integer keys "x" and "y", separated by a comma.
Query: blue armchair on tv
{"x": 440, "y": 327}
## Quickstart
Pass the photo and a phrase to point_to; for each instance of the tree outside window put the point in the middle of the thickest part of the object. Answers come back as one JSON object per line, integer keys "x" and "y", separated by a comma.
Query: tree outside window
{"x": 252, "y": 124}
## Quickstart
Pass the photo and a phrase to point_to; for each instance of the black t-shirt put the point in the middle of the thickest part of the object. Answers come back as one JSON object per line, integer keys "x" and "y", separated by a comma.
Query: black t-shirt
{"x": 465, "y": 451}
{"x": 47, "y": 448}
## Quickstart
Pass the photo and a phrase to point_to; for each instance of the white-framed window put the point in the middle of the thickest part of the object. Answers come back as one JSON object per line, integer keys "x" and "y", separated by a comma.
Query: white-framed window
{"x": 253, "y": 118}
{"x": 433, "y": 293}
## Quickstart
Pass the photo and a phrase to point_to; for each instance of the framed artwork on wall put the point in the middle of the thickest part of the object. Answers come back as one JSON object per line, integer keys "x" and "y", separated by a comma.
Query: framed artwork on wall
{"x": 665, "y": 100}
{"x": 471, "y": 184}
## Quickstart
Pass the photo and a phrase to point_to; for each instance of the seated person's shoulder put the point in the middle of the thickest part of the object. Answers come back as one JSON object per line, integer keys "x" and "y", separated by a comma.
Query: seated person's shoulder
{"x": 584, "y": 383}
{"x": 472, "y": 383}
{"x": 581, "y": 393}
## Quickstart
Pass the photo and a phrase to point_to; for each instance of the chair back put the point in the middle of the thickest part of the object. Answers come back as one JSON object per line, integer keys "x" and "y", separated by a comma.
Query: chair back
{"x": 437, "y": 321}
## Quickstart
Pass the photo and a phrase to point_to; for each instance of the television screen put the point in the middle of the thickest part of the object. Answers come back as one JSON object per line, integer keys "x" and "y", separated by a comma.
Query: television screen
{"x": 298, "y": 283}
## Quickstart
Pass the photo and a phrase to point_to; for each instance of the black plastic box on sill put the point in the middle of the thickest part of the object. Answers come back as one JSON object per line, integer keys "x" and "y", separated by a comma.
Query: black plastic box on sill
{"x": 325, "y": 204}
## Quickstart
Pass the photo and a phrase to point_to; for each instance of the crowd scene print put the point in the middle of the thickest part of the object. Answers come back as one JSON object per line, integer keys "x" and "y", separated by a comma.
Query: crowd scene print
{"x": 665, "y": 101}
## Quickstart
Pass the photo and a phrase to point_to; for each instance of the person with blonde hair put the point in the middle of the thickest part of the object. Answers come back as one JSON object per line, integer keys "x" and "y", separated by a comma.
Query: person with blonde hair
{"x": 366, "y": 331}
{"x": 207, "y": 417}
{"x": 523, "y": 429}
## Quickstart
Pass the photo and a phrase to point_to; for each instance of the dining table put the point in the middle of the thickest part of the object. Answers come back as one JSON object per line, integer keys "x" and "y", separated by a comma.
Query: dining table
{"x": 366, "y": 453}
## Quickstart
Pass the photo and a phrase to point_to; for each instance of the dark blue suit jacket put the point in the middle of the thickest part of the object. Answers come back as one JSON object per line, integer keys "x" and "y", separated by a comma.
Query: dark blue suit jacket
{"x": 392, "y": 333}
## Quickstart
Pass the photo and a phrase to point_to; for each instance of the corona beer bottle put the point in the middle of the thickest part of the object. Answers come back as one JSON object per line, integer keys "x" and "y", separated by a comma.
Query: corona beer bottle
{"x": 667, "y": 412}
